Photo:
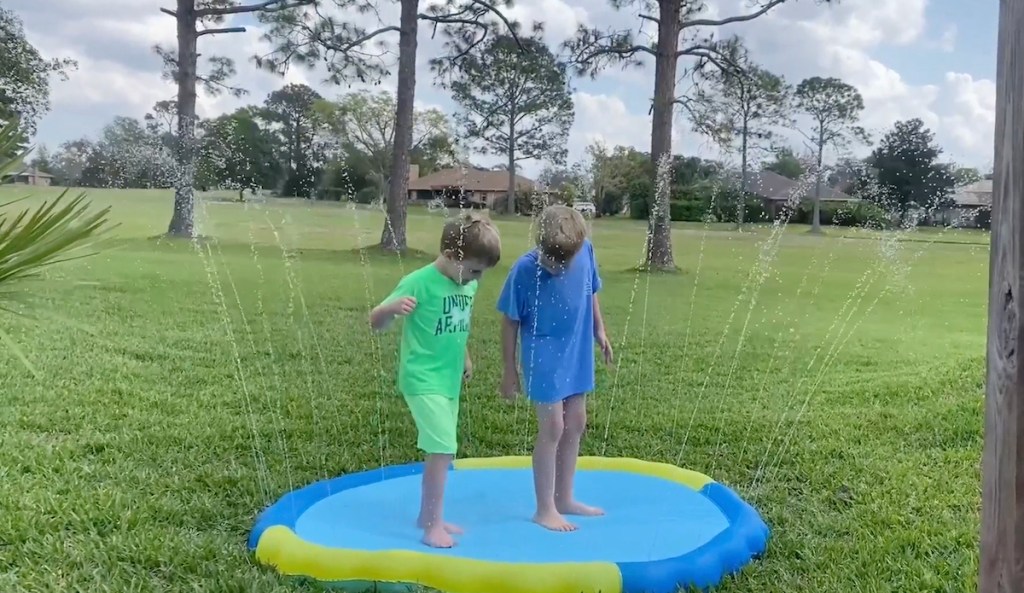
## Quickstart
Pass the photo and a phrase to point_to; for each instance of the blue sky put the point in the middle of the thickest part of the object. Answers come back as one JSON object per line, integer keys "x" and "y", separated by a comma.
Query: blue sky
{"x": 899, "y": 54}
{"x": 975, "y": 23}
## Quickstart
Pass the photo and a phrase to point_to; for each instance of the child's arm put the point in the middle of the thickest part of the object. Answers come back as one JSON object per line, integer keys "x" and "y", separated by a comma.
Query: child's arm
{"x": 467, "y": 367}
{"x": 400, "y": 302}
{"x": 383, "y": 314}
{"x": 511, "y": 303}
{"x": 600, "y": 335}
{"x": 509, "y": 339}
{"x": 510, "y": 371}
{"x": 598, "y": 319}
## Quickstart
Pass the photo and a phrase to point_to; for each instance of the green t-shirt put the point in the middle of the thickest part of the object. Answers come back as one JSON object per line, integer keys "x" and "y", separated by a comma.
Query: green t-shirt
{"x": 433, "y": 350}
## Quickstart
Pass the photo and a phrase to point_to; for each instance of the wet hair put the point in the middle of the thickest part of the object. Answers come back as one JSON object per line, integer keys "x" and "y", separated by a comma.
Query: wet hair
{"x": 561, "y": 231}
{"x": 472, "y": 236}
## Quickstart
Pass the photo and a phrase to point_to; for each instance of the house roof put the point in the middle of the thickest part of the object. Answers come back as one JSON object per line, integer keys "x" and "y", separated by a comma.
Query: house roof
{"x": 468, "y": 179}
{"x": 773, "y": 186}
{"x": 978, "y": 193}
{"x": 33, "y": 172}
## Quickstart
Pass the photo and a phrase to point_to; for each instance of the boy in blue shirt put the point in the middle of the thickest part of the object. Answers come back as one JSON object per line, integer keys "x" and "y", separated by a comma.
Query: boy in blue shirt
{"x": 550, "y": 306}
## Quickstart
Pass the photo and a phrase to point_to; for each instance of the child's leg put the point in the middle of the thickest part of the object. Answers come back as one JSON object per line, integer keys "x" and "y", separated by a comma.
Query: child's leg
{"x": 436, "y": 532}
{"x": 436, "y": 419}
{"x": 574, "y": 413}
{"x": 545, "y": 451}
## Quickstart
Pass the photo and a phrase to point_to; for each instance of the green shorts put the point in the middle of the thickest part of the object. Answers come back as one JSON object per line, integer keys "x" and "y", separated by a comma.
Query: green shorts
{"x": 437, "y": 421}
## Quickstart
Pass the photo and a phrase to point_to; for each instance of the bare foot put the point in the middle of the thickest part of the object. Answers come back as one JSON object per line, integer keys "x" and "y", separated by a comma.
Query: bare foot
{"x": 578, "y": 508}
{"x": 553, "y": 521}
{"x": 450, "y": 528}
{"x": 437, "y": 537}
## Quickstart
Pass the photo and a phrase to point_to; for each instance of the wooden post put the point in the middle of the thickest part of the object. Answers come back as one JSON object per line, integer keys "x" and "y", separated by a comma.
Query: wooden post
{"x": 1002, "y": 515}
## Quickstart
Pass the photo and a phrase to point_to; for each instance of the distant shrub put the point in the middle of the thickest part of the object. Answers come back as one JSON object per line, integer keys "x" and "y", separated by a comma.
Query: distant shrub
{"x": 857, "y": 214}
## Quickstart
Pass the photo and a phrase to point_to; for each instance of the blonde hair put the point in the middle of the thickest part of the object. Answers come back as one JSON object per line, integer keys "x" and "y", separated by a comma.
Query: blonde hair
{"x": 561, "y": 231}
{"x": 472, "y": 236}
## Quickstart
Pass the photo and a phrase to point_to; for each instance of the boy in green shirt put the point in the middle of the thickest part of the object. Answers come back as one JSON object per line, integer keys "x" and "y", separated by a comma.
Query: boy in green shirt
{"x": 437, "y": 301}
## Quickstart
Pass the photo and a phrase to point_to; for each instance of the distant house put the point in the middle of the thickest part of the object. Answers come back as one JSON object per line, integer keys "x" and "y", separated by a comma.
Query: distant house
{"x": 972, "y": 205}
{"x": 30, "y": 176}
{"x": 775, "y": 190}
{"x": 465, "y": 188}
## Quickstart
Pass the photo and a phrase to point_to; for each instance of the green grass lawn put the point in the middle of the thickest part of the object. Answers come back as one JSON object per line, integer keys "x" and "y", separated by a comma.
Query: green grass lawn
{"x": 838, "y": 387}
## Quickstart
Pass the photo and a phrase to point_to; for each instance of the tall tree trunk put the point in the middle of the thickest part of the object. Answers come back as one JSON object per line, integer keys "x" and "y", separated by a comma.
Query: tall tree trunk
{"x": 296, "y": 159}
{"x": 511, "y": 199}
{"x": 816, "y": 214}
{"x": 393, "y": 237}
{"x": 659, "y": 250}
{"x": 741, "y": 207}
{"x": 183, "y": 219}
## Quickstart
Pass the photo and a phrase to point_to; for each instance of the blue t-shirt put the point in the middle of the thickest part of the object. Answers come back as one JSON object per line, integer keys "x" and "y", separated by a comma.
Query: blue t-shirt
{"x": 556, "y": 323}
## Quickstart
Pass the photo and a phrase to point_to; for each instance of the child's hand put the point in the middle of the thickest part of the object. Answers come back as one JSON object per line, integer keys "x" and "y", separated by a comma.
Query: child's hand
{"x": 606, "y": 347}
{"x": 509, "y": 385}
{"x": 403, "y": 306}
{"x": 467, "y": 370}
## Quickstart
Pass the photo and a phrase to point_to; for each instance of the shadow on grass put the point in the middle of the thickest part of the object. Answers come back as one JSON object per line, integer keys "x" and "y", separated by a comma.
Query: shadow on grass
{"x": 378, "y": 253}
{"x": 654, "y": 271}
{"x": 370, "y": 254}
{"x": 920, "y": 238}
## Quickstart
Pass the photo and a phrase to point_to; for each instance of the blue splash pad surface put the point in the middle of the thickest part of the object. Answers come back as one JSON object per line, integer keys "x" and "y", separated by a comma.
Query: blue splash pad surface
{"x": 646, "y": 519}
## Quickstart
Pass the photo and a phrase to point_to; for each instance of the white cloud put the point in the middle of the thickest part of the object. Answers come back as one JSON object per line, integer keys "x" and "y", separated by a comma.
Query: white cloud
{"x": 971, "y": 121}
{"x": 947, "y": 42}
{"x": 887, "y": 97}
{"x": 799, "y": 41}
{"x": 606, "y": 119}
{"x": 859, "y": 24}
{"x": 560, "y": 18}
{"x": 108, "y": 81}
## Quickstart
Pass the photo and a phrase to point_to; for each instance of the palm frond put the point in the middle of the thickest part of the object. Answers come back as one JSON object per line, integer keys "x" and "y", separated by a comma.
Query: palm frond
{"x": 34, "y": 238}
{"x": 9, "y": 138}
{"x": 38, "y": 237}
{"x": 31, "y": 240}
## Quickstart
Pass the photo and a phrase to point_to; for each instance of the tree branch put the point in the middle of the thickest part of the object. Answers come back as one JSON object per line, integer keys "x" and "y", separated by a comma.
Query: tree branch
{"x": 700, "y": 47}
{"x": 723, "y": 60}
{"x": 266, "y": 6}
{"x": 222, "y": 30}
{"x": 456, "y": 18}
{"x": 625, "y": 52}
{"x": 732, "y": 19}
{"x": 170, "y": 12}
{"x": 357, "y": 42}
{"x": 647, "y": 17}
{"x": 213, "y": 82}
{"x": 686, "y": 103}
{"x": 448, "y": 20}
{"x": 504, "y": 20}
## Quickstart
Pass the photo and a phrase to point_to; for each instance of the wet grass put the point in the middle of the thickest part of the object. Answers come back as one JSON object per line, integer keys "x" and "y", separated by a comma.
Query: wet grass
{"x": 183, "y": 390}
